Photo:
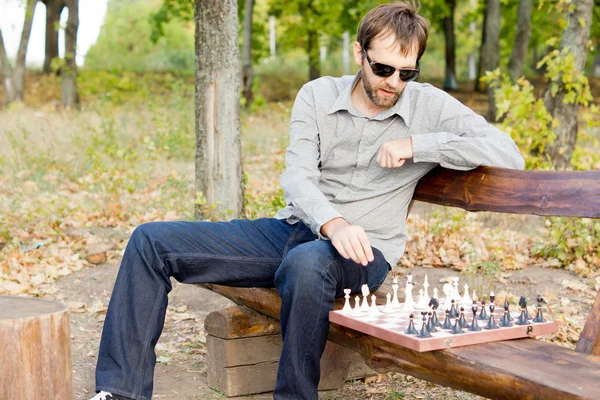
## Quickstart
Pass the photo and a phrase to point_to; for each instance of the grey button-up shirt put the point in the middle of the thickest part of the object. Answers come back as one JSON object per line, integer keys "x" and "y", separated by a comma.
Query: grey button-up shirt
{"x": 331, "y": 168}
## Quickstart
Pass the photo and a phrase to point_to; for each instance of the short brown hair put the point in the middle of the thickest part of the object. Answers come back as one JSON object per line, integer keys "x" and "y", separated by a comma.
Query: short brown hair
{"x": 400, "y": 19}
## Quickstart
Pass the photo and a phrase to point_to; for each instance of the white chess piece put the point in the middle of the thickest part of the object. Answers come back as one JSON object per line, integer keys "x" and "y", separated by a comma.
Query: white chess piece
{"x": 365, "y": 292}
{"x": 435, "y": 293}
{"x": 421, "y": 302}
{"x": 426, "y": 290}
{"x": 395, "y": 302}
{"x": 388, "y": 309}
{"x": 474, "y": 297}
{"x": 347, "y": 307}
{"x": 409, "y": 302}
{"x": 448, "y": 290}
{"x": 456, "y": 294}
{"x": 373, "y": 309}
{"x": 466, "y": 299}
{"x": 356, "y": 311}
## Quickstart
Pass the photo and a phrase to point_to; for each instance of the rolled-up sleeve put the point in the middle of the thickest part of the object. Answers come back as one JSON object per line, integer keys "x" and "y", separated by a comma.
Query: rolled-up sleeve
{"x": 300, "y": 181}
{"x": 464, "y": 140}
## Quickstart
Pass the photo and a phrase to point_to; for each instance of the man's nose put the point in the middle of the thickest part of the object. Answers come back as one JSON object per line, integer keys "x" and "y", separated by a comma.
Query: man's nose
{"x": 393, "y": 80}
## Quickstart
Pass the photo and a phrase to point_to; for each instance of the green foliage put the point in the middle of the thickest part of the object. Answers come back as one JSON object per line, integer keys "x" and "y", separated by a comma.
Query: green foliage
{"x": 482, "y": 273}
{"x": 562, "y": 75}
{"x": 124, "y": 43}
{"x": 570, "y": 240}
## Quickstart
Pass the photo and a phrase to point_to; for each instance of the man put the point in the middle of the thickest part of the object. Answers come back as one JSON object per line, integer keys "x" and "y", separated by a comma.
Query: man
{"x": 358, "y": 146}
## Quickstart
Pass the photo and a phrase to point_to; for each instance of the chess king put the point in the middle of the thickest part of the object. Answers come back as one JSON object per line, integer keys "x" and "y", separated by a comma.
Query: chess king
{"x": 358, "y": 146}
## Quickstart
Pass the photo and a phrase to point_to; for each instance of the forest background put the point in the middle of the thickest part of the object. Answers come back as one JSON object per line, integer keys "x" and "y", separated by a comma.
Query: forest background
{"x": 76, "y": 180}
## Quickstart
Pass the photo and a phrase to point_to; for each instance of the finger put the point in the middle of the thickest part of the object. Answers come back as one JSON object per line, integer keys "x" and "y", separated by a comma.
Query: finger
{"x": 350, "y": 250}
{"x": 366, "y": 245}
{"x": 390, "y": 160}
{"x": 340, "y": 249}
{"x": 401, "y": 162}
{"x": 378, "y": 155}
{"x": 358, "y": 250}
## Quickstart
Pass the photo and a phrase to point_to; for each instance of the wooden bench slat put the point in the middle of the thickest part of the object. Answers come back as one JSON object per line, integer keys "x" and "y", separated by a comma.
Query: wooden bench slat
{"x": 549, "y": 193}
{"x": 523, "y": 368}
{"x": 589, "y": 340}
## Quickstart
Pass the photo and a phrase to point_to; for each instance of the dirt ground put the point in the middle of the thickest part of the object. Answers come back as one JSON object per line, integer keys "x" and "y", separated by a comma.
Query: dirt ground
{"x": 181, "y": 372}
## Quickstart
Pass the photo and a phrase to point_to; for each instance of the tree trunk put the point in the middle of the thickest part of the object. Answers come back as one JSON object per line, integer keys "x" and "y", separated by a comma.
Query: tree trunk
{"x": 491, "y": 49}
{"x": 574, "y": 40}
{"x": 13, "y": 79}
{"x": 517, "y": 57}
{"x": 247, "y": 53}
{"x": 450, "y": 82}
{"x": 54, "y": 9}
{"x": 479, "y": 85}
{"x": 313, "y": 55}
{"x": 70, "y": 97}
{"x": 219, "y": 186}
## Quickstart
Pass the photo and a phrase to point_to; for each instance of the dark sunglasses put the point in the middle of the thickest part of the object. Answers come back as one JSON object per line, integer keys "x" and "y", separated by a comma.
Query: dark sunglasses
{"x": 385, "y": 71}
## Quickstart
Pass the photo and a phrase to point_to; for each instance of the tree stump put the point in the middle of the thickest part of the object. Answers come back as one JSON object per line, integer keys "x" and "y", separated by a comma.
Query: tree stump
{"x": 35, "y": 349}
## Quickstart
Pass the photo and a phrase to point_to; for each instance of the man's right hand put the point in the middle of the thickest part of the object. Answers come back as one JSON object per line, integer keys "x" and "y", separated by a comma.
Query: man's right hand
{"x": 349, "y": 240}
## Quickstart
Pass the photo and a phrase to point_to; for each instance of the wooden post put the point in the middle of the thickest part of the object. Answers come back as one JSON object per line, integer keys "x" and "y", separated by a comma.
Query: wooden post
{"x": 35, "y": 349}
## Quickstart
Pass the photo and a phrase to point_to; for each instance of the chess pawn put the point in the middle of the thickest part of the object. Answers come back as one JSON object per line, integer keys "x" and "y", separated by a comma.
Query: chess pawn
{"x": 539, "y": 317}
{"x": 447, "y": 323}
{"x": 462, "y": 320}
{"x": 507, "y": 307}
{"x": 523, "y": 320}
{"x": 356, "y": 311}
{"x": 424, "y": 333}
{"x": 430, "y": 325}
{"x": 388, "y": 309}
{"x": 347, "y": 310}
{"x": 421, "y": 303}
{"x": 365, "y": 292}
{"x": 373, "y": 309}
{"x": 453, "y": 310}
{"x": 395, "y": 302}
{"x": 456, "y": 328}
{"x": 411, "y": 327}
{"x": 491, "y": 322}
{"x": 474, "y": 327}
{"x": 482, "y": 315}
{"x": 505, "y": 321}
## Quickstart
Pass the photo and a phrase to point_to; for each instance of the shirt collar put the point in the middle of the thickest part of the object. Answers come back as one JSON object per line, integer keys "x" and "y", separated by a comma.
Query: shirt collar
{"x": 401, "y": 108}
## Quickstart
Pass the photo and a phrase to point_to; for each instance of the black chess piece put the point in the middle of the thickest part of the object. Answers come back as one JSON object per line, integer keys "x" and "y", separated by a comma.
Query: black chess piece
{"x": 523, "y": 304}
{"x": 456, "y": 328}
{"x": 474, "y": 327}
{"x": 411, "y": 327}
{"x": 482, "y": 315}
{"x": 430, "y": 325}
{"x": 522, "y": 318}
{"x": 424, "y": 333}
{"x": 462, "y": 320}
{"x": 492, "y": 297}
{"x": 507, "y": 307}
{"x": 491, "y": 322}
{"x": 505, "y": 321}
{"x": 539, "y": 317}
{"x": 453, "y": 310}
{"x": 434, "y": 304}
{"x": 434, "y": 319}
{"x": 447, "y": 323}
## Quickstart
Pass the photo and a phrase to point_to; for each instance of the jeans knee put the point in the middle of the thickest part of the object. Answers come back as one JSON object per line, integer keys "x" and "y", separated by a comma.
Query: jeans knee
{"x": 302, "y": 270}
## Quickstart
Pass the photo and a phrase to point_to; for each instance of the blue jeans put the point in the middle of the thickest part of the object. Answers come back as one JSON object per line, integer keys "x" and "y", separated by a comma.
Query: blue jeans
{"x": 308, "y": 274}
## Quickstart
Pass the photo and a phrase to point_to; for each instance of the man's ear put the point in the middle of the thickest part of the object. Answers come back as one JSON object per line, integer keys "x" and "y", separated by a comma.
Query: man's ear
{"x": 358, "y": 54}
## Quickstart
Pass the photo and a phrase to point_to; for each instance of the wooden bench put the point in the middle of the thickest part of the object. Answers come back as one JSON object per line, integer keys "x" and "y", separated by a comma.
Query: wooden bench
{"x": 524, "y": 368}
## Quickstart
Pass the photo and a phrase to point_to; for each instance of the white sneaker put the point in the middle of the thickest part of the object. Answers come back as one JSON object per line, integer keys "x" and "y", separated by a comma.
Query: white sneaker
{"x": 107, "y": 396}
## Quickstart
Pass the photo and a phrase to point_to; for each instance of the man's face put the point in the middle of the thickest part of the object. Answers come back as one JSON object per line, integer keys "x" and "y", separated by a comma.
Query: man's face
{"x": 384, "y": 92}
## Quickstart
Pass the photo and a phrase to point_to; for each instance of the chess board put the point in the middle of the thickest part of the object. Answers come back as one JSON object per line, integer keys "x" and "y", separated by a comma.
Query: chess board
{"x": 391, "y": 327}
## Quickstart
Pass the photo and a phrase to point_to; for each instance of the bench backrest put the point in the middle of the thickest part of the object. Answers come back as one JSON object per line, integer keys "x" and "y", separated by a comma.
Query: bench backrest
{"x": 548, "y": 193}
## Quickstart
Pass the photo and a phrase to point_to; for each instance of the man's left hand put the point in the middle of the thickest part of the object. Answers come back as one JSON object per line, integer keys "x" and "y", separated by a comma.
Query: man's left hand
{"x": 394, "y": 153}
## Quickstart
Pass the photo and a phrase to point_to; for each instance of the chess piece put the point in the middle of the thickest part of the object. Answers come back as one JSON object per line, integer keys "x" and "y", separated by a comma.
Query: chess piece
{"x": 507, "y": 307}
{"x": 505, "y": 321}
{"x": 356, "y": 311}
{"x": 466, "y": 299}
{"x": 474, "y": 297}
{"x": 462, "y": 321}
{"x": 388, "y": 309}
{"x": 522, "y": 318}
{"x": 453, "y": 310}
{"x": 373, "y": 309}
{"x": 365, "y": 293}
{"x": 492, "y": 298}
{"x": 411, "y": 327}
{"x": 395, "y": 302}
{"x": 421, "y": 303}
{"x": 435, "y": 293}
{"x": 492, "y": 322}
{"x": 456, "y": 328}
{"x": 347, "y": 310}
{"x": 456, "y": 294}
{"x": 447, "y": 323}
{"x": 434, "y": 304}
{"x": 409, "y": 302}
{"x": 430, "y": 325}
{"x": 523, "y": 305}
{"x": 426, "y": 290}
{"x": 424, "y": 333}
{"x": 474, "y": 327}
{"x": 482, "y": 315}
{"x": 539, "y": 317}
{"x": 448, "y": 290}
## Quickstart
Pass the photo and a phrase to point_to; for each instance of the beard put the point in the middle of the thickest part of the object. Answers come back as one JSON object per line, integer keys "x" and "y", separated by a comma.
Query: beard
{"x": 378, "y": 99}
